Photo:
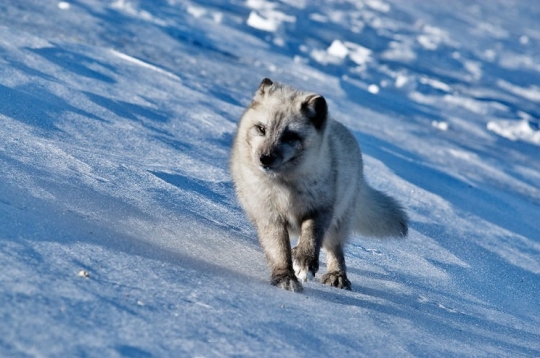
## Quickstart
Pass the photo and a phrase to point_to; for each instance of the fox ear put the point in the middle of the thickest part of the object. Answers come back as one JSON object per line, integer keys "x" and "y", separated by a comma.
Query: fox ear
{"x": 315, "y": 108}
{"x": 263, "y": 87}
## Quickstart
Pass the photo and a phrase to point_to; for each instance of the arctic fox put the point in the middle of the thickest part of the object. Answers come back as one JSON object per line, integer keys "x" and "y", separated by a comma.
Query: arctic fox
{"x": 298, "y": 173}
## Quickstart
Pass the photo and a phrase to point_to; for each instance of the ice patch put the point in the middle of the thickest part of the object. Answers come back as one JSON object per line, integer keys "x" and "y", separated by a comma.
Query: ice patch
{"x": 515, "y": 61}
{"x": 443, "y": 126}
{"x": 373, "y": 89}
{"x": 433, "y": 37}
{"x": 486, "y": 28}
{"x": 62, "y": 5}
{"x": 338, "y": 51}
{"x": 435, "y": 84}
{"x": 421, "y": 98}
{"x": 401, "y": 80}
{"x": 378, "y": 5}
{"x": 196, "y": 12}
{"x": 132, "y": 10}
{"x": 199, "y": 12}
{"x": 428, "y": 42}
{"x": 144, "y": 64}
{"x": 474, "y": 68}
{"x": 258, "y": 22}
{"x": 399, "y": 51}
{"x": 359, "y": 54}
{"x": 264, "y": 16}
{"x": 259, "y": 4}
{"x": 515, "y": 130}
{"x": 318, "y": 17}
{"x": 532, "y": 93}
{"x": 462, "y": 154}
{"x": 324, "y": 58}
{"x": 467, "y": 103}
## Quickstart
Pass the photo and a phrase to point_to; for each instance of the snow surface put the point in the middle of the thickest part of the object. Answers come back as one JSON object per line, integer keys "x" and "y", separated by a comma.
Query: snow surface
{"x": 120, "y": 235}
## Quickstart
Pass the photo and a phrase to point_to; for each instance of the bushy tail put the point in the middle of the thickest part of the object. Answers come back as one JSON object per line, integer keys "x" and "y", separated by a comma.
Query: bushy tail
{"x": 379, "y": 215}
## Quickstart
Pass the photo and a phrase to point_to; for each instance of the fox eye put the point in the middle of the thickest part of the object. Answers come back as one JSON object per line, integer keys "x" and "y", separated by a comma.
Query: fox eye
{"x": 261, "y": 129}
{"x": 290, "y": 137}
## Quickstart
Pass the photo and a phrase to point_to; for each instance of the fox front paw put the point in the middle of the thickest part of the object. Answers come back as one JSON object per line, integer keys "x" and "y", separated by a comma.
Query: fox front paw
{"x": 336, "y": 279}
{"x": 305, "y": 265}
{"x": 287, "y": 281}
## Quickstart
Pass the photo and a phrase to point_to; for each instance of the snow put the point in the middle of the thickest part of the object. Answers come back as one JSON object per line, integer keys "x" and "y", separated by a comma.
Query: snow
{"x": 522, "y": 130}
{"x": 338, "y": 49}
{"x": 120, "y": 234}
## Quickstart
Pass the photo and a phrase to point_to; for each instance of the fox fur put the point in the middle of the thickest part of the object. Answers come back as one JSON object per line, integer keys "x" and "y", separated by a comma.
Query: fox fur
{"x": 299, "y": 173}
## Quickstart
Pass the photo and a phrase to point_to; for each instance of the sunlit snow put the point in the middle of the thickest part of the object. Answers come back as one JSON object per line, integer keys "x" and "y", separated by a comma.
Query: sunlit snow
{"x": 120, "y": 235}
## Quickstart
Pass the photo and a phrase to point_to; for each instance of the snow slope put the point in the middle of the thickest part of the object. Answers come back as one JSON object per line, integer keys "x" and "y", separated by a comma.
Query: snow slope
{"x": 116, "y": 123}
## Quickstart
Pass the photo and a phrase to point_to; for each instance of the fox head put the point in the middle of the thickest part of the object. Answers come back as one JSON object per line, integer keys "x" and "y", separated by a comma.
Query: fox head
{"x": 284, "y": 128}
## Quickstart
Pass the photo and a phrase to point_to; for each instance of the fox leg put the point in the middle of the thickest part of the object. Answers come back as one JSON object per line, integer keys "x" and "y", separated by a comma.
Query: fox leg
{"x": 306, "y": 254}
{"x": 275, "y": 242}
{"x": 336, "y": 274}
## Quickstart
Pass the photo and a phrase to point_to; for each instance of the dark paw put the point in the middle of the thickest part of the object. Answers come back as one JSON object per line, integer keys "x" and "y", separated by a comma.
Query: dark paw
{"x": 336, "y": 279}
{"x": 287, "y": 281}
{"x": 304, "y": 263}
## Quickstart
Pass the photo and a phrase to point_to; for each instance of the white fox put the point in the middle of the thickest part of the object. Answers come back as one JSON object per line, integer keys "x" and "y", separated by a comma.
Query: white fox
{"x": 297, "y": 172}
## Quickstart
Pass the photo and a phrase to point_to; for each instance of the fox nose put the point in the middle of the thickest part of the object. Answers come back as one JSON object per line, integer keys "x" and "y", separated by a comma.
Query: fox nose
{"x": 267, "y": 160}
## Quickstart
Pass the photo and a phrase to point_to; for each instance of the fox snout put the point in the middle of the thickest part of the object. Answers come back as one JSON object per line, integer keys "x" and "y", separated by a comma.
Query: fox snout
{"x": 270, "y": 160}
{"x": 277, "y": 157}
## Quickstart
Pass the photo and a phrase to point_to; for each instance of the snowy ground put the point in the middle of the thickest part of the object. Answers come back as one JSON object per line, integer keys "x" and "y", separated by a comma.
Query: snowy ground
{"x": 116, "y": 123}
